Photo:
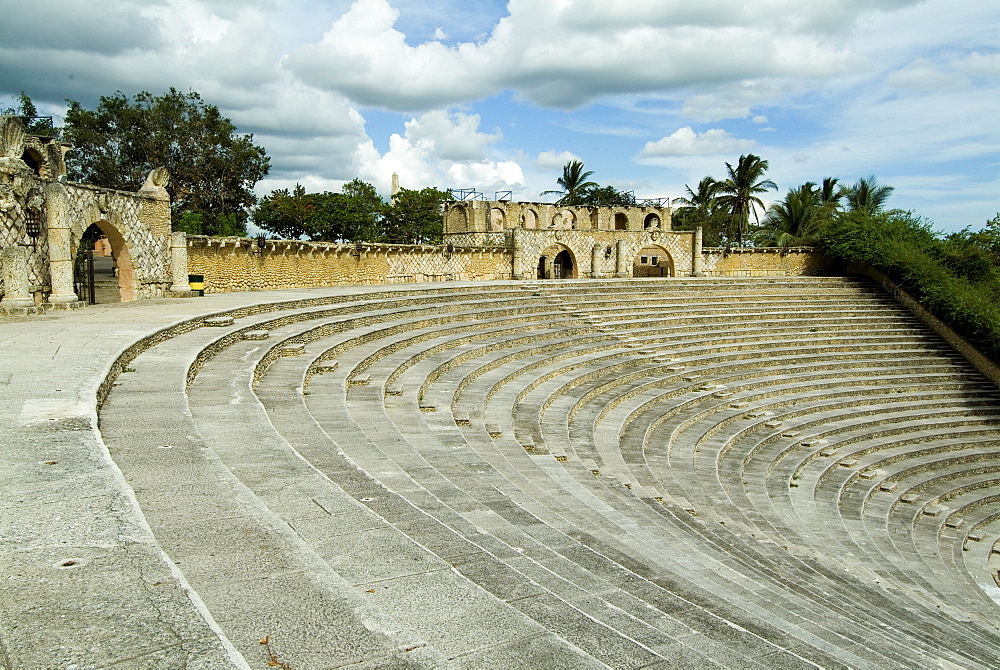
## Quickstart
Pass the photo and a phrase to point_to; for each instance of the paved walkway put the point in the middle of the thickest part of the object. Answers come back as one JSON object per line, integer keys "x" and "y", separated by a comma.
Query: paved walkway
{"x": 85, "y": 584}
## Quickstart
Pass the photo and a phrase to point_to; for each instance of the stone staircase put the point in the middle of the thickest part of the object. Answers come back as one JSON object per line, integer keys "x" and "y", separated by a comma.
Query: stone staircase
{"x": 781, "y": 472}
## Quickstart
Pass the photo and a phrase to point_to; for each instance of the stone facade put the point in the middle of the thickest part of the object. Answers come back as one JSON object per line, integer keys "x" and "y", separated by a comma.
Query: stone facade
{"x": 481, "y": 216}
{"x": 35, "y": 198}
{"x": 552, "y": 241}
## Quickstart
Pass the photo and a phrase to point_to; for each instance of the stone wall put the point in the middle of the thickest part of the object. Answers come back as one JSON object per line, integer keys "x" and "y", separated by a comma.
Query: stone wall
{"x": 240, "y": 264}
{"x": 763, "y": 262}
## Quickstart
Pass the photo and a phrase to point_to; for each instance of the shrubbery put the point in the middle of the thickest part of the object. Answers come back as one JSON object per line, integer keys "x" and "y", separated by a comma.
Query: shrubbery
{"x": 956, "y": 277}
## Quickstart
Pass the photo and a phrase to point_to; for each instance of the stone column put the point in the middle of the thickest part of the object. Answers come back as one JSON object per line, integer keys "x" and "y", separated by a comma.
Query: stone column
{"x": 60, "y": 260}
{"x": 622, "y": 260}
{"x": 14, "y": 261}
{"x": 595, "y": 260}
{"x": 179, "y": 262}
{"x": 517, "y": 255}
{"x": 696, "y": 253}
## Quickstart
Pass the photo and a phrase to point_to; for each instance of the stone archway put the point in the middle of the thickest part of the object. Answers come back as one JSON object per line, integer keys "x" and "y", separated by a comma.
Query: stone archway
{"x": 118, "y": 272}
{"x": 653, "y": 261}
{"x": 557, "y": 262}
{"x": 651, "y": 221}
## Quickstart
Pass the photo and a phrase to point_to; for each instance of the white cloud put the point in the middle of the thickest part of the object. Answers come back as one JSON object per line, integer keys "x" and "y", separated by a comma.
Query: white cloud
{"x": 552, "y": 160}
{"x": 686, "y": 142}
{"x": 451, "y": 136}
{"x": 760, "y": 118}
{"x": 444, "y": 150}
{"x": 922, "y": 75}
{"x": 546, "y": 50}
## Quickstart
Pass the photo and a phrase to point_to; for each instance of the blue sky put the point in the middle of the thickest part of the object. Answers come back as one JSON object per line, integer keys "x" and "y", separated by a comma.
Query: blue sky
{"x": 651, "y": 95}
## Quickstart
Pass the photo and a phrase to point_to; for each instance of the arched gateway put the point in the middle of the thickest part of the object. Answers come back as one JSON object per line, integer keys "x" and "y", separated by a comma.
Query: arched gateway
{"x": 557, "y": 262}
{"x": 44, "y": 222}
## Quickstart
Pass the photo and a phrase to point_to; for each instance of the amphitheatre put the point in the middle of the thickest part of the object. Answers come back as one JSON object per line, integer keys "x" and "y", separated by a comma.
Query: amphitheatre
{"x": 743, "y": 459}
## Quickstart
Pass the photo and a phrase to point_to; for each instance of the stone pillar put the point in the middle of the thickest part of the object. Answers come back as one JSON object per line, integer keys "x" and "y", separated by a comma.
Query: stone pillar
{"x": 622, "y": 260}
{"x": 595, "y": 260}
{"x": 14, "y": 262}
{"x": 696, "y": 253}
{"x": 179, "y": 262}
{"x": 517, "y": 254}
{"x": 60, "y": 260}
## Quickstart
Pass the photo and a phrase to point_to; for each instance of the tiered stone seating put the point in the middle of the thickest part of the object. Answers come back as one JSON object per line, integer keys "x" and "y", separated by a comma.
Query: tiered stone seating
{"x": 576, "y": 474}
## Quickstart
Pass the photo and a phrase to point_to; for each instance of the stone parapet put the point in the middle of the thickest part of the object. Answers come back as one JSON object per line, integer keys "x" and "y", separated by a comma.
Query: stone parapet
{"x": 242, "y": 264}
{"x": 763, "y": 262}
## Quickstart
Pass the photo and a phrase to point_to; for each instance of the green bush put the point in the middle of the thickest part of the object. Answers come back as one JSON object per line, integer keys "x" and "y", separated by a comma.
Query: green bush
{"x": 954, "y": 277}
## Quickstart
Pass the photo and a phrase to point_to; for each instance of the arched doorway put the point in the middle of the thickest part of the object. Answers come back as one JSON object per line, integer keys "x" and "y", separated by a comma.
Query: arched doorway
{"x": 557, "y": 262}
{"x": 653, "y": 261}
{"x": 562, "y": 266}
{"x": 651, "y": 221}
{"x": 621, "y": 221}
{"x": 103, "y": 271}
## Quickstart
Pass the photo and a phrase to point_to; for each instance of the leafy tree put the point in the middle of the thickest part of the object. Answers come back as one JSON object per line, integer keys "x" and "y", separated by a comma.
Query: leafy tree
{"x": 738, "y": 193}
{"x": 33, "y": 124}
{"x": 362, "y": 211}
{"x": 867, "y": 196}
{"x": 574, "y": 184}
{"x": 212, "y": 168}
{"x": 607, "y": 196}
{"x": 284, "y": 213}
{"x": 355, "y": 214}
{"x": 415, "y": 217}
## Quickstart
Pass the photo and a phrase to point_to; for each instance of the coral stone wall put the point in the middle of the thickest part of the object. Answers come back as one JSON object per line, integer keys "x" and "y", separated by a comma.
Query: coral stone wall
{"x": 763, "y": 262}
{"x": 239, "y": 264}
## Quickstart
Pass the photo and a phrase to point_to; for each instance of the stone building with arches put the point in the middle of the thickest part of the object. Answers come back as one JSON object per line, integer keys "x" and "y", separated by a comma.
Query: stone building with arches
{"x": 548, "y": 241}
{"x": 44, "y": 220}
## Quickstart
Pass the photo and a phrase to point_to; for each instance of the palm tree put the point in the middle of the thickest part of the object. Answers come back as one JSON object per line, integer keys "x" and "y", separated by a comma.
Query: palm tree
{"x": 796, "y": 219}
{"x": 702, "y": 200}
{"x": 574, "y": 184}
{"x": 867, "y": 196}
{"x": 830, "y": 193}
{"x": 738, "y": 193}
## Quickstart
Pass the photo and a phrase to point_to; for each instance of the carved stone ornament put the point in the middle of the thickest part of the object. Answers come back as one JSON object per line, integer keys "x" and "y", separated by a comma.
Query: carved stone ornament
{"x": 160, "y": 177}
{"x": 102, "y": 203}
{"x": 11, "y": 137}
{"x": 156, "y": 183}
{"x": 654, "y": 235}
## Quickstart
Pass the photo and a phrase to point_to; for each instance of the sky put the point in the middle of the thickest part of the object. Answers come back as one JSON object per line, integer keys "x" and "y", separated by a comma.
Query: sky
{"x": 652, "y": 95}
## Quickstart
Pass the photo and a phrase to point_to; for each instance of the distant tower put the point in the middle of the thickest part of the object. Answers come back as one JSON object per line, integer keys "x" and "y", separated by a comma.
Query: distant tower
{"x": 395, "y": 185}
